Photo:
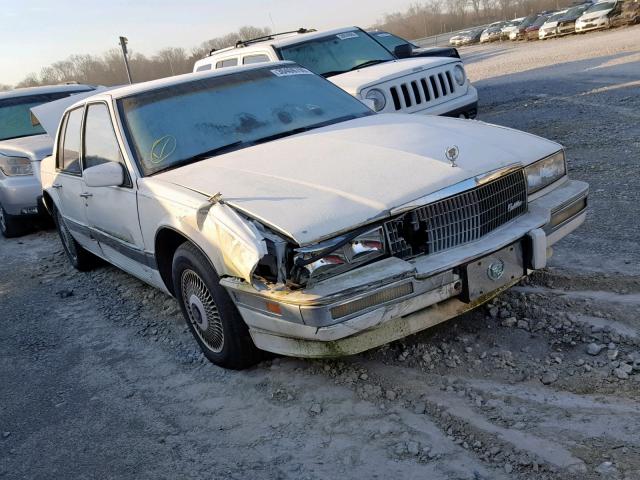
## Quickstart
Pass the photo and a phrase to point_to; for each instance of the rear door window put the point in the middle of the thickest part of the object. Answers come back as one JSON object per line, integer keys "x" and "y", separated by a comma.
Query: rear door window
{"x": 229, "y": 62}
{"x": 258, "y": 58}
{"x": 69, "y": 157}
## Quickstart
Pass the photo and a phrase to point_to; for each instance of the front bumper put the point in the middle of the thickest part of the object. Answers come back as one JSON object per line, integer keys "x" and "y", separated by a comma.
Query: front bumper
{"x": 601, "y": 22}
{"x": 549, "y": 33}
{"x": 19, "y": 195}
{"x": 392, "y": 298}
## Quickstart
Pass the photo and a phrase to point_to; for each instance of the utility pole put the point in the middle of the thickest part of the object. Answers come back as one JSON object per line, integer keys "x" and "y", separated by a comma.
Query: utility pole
{"x": 123, "y": 44}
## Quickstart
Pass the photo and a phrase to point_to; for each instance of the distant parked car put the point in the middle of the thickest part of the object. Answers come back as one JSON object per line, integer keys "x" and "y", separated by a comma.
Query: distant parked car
{"x": 492, "y": 33}
{"x": 629, "y": 14}
{"x": 391, "y": 41}
{"x": 549, "y": 28}
{"x": 471, "y": 37}
{"x": 520, "y": 32}
{"x": 567, "y": 24}
{"x": 23, "y": 144}
{"x": 457, "y": 39}
{"x": 598, "y": 16}
{"x": 510, "y": 27}
{"x": 531, "y": 32}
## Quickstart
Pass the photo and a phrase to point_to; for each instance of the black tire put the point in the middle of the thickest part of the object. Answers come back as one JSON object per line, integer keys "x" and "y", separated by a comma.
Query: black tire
{"x": 10, "y": 225}
{"x": 210, "y": 313}
{"x": 78, "y": 256}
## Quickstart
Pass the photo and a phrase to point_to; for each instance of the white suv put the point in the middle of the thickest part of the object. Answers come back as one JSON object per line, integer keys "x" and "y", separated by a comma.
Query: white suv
{"x": 361, "y": 65}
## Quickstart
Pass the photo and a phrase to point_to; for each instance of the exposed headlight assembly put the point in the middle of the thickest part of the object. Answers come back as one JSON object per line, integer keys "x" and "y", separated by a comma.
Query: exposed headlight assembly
{"x": 459, "y": 75}
{"x": 337, "y": 255}
{"x": 14, "y": 166}
{"x": 546, "y": 171}
{"x": 378, "y": 99}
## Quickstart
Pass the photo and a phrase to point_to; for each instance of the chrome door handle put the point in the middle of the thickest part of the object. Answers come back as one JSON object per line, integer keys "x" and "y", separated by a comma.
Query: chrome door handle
{"x": 86, "y": 195}
{"x": 56, "y": 185}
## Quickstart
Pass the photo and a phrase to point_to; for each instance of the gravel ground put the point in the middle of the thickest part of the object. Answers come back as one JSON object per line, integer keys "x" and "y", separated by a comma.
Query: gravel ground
{"x": 100, "y": 378}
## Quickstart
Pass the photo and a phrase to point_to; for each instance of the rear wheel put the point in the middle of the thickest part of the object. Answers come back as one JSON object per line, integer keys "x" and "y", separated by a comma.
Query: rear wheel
{"x": 79, "y": 257}
{"x": 10, "y": 225}
{"x": 210, "y": 313}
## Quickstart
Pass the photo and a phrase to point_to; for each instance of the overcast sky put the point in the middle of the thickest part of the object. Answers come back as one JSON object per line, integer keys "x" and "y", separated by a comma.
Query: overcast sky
{"x": 36, "y": 33}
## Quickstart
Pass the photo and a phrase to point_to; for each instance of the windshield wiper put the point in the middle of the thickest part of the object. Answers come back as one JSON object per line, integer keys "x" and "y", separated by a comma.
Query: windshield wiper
{"x": 368, "y": 63}
{"x": 333, "y": 72}
{"x": 203, "y": 155}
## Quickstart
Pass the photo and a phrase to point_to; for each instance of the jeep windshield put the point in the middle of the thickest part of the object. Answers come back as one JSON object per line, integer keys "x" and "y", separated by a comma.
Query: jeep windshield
{"x": 191, "y": 121}
{"x": 15, "y": 114}
{"x": 390, "y": 41}
{"x": 337, "y": 53}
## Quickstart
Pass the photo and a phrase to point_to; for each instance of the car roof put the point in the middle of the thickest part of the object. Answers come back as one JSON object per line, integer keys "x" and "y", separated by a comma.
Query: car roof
{"x": 137, "y": 88}
{"x": 27, "y": 91}
{"x": 285, "y": 40}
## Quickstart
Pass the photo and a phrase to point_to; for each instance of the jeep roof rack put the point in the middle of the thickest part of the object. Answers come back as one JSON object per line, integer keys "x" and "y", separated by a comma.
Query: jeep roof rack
{"x": 244, "y": 43}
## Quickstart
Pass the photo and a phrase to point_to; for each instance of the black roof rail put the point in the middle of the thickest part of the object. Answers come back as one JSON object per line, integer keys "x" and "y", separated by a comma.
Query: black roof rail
{"x": 244, "y": 43}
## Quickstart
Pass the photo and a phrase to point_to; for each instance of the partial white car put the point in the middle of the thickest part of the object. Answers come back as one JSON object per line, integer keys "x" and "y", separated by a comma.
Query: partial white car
{"x": 284, "y": 215}
{"x": 359, "y": 64}
{"x": 549, "y": 29}
{"x": 23, "y": 144}
{"x": 597, "y": 16}
{"x": 511, "y": 26}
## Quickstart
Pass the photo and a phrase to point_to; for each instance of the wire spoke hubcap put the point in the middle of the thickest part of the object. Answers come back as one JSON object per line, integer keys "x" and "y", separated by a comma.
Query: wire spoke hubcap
{"x": 202, "y": 311}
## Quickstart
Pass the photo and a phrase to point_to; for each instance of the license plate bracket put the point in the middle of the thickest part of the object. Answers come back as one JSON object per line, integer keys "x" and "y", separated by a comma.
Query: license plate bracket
{"x": 489, "y": 273}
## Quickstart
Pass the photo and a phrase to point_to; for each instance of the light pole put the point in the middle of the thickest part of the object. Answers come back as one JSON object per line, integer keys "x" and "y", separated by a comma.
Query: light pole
{"x": 123, "y": 44}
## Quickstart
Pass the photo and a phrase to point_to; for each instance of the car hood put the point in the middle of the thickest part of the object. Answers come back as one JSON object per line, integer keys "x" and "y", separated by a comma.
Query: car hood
{"x": 315, "y": 185}
{"x": 546, "y": 25}
{"x": 35, "y": 148}
{"x": 353, "y": 82}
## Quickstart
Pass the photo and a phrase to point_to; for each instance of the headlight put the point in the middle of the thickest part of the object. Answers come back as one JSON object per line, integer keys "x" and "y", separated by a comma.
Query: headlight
{"x": 13, "y": 166}
{"x": 546, "y": 171}
{"x": 458, "y": 75}
{"x": 378, "y": 98}
{"x": 337, "y": 255}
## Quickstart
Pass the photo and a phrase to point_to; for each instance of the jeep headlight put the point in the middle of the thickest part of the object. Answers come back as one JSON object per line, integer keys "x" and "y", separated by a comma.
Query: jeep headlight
{"x": 546, "y": 171}
{"x": 378, "y": 99}
{"x": 458, "y": 75}
{"x": 13, "y": 166}
{"x": 337, "y": 255}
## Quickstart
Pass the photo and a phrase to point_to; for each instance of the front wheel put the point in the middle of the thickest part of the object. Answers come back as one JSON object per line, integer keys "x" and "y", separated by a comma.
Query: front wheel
{"x": 78, "y": 256}
{"x": 210, "y": 313}
{"x": 10, "y": 225}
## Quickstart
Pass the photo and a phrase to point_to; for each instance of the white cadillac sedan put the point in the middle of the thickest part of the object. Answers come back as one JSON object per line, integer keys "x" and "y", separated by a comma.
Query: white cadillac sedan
{"x": 284, "y": 215}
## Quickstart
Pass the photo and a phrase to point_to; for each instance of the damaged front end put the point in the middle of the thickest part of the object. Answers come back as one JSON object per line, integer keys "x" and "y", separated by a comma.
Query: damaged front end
{"x": 402, "y": 274}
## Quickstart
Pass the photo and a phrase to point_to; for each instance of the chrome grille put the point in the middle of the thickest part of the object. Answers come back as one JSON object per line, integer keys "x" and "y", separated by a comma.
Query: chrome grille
{"x": 423, "y": 90}
{"x": 458, "y": 219}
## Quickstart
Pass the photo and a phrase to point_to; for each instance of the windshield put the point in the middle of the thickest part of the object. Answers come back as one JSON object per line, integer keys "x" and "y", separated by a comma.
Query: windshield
{"x": 539, "y": 21}
{"x": 185, "y": 123}
{"x": 15, "y": 116}
{"x": 598, "y": 7}
{"x": 390, "y": 41}
{"x": 528, "y": 21}
{"x": 572, "y": 12}
{"x": 337, "y": 53}
{"x": 556, "y": 17}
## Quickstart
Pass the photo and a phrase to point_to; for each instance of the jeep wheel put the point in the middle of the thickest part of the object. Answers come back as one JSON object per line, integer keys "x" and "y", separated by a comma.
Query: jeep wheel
{"x": 79, "y": 257}
{"x": 210, "y": 313}
{"x": 10, "y": 225}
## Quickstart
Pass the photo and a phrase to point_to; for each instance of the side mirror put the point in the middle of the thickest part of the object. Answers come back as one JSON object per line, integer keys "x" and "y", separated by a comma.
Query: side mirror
{"x": 109, "y": 174}
{"x": 403, "y": 51}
